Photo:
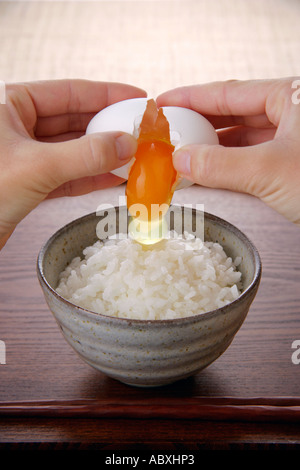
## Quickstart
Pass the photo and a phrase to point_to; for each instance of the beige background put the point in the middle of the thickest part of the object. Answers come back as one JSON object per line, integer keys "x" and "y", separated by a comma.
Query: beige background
{"x": 153, "y": 44}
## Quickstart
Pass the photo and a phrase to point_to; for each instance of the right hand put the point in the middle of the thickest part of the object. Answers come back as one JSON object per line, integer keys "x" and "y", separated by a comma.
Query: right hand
{"x": 259, "y": 133}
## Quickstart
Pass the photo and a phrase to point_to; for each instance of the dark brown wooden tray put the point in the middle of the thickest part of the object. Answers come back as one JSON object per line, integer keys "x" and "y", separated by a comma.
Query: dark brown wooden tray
{"x": 254, "y": 380}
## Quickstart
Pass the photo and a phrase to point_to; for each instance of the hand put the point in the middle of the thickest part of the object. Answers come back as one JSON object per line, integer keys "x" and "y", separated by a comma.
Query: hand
{"x": 44, "y": 151}
{"x": 258, "y": 125}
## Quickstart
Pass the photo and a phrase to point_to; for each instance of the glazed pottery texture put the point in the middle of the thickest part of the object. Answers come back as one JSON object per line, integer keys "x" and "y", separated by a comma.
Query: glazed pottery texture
{"x": 140, "y": 352}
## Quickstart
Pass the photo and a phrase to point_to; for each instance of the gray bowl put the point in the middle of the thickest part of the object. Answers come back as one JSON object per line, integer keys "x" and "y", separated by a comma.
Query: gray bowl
{"x": 147, "y": 352}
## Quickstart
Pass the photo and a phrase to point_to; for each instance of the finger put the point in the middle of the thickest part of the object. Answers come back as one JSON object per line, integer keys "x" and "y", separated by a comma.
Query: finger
{"x": 228, "y": 98}
{"x": 242, "y": 169}
{"x": 76, "y": 96}
{"x": 221, "y": 122}
{"x": 61, "y": 137}
{"x": 240, "y": 99}
{"x": 179, "y": 97}
{"x": 240, "y": 136}
{"x": 4, "y": 238}
{"x": 61, "y": 124}
{"x": 88, "y": 156}
{"x": 86, "y": 185}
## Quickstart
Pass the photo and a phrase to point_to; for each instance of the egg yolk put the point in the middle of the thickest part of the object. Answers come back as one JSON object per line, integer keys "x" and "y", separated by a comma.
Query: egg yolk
{"x": 152, "y": 177}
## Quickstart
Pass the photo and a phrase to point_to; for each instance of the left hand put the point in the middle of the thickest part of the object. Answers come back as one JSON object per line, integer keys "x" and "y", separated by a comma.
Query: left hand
{"x": 44, "y": 151}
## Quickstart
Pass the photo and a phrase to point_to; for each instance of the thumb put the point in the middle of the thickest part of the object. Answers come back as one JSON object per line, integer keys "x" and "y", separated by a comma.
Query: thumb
{"x": 242, "y": 169}
{"x": 90, "y": 155}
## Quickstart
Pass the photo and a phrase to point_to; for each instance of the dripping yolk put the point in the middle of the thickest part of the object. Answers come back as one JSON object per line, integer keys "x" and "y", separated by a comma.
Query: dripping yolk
{"x": 152, "y": 177}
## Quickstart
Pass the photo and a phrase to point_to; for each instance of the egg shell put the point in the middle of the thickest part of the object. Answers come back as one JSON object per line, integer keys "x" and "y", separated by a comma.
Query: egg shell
{"x": 186, "y": 127}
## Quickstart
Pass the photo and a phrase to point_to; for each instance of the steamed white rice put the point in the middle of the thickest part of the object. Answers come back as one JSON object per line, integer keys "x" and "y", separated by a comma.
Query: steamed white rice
{"x": 179, "y": 277}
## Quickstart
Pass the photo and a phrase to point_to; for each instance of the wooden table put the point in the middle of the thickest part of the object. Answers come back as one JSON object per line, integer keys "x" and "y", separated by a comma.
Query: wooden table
{"x": 248, "y": 399}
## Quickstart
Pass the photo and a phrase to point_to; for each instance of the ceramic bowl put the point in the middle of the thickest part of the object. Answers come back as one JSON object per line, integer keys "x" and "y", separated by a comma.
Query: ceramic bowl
{"x": 142, "y": 352}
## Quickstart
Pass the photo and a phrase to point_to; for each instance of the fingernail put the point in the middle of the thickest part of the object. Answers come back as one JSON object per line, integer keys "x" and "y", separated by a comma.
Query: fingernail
{"x": 126, "y": 146}
{"x": 182, "y": 162}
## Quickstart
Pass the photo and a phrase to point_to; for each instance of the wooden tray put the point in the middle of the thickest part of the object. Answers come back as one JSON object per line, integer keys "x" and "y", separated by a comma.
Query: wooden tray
{"x": 255, "y": 379}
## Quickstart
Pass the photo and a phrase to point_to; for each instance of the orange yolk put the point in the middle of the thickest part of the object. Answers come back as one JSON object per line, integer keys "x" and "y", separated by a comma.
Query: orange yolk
{"x": 152, "y": 177}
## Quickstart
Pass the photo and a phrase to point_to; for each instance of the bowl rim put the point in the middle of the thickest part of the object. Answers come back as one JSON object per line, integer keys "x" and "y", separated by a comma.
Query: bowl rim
{"x": 136, "y": 321}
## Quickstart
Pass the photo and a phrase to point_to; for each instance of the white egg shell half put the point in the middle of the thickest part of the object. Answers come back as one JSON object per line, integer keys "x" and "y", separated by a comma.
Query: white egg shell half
{"x": 186, "y": 127}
